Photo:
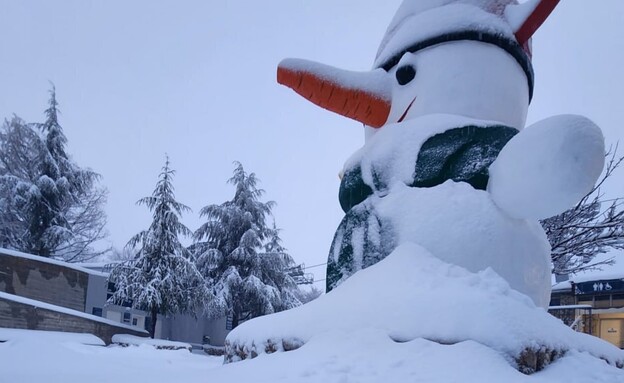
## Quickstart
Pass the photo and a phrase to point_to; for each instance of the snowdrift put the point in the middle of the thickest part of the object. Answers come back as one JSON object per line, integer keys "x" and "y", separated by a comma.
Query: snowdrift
{"x": 415, "y": 301}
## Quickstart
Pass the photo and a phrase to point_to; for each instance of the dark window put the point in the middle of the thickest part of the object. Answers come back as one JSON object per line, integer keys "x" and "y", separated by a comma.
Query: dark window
{"x": 228, "y": 322}
{"x": 96, "y": 311}
{"x": 126, "y": 317}
{"x": 135, "y": 321}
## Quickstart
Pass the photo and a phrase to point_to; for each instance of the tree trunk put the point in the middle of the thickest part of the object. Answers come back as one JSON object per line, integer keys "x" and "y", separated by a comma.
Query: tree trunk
{"x": 234, "y": 320}
{"x": 154, "y": 317}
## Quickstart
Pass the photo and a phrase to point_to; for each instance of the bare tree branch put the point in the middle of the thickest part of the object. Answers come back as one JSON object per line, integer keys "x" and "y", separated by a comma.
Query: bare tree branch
{"x": 578, "y": 235}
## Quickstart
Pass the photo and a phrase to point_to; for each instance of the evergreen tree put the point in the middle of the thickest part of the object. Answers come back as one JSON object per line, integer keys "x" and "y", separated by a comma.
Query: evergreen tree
{"x": 20, "y": 146}
{"x": 51, "y": 206}
{"x": 241, "y": 258}
{"x": 162, "y": 278}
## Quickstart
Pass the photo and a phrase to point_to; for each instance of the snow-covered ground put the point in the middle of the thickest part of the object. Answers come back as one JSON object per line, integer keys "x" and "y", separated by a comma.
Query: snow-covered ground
{"x": 428, "y": 321}
{"x": 35, "y": 360}
{"x": 354, "y": 356}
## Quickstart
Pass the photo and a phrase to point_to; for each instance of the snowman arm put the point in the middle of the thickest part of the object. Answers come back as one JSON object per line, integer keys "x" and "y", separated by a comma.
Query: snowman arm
{"x": 548, "y": 167}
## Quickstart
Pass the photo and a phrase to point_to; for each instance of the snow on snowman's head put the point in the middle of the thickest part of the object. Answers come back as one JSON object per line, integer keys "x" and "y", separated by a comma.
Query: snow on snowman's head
{"x": 463, "y": 57}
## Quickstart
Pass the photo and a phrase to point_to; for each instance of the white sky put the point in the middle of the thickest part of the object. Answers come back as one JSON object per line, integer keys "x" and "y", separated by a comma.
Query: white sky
{"x": 196, "y": 80}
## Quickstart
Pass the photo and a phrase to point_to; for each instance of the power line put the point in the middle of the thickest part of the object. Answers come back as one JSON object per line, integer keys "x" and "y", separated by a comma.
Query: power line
{"x": 320, "y": 264}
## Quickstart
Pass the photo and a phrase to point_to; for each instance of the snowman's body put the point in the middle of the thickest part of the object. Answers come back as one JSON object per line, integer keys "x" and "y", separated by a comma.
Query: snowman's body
{"x": 455, "y": 221}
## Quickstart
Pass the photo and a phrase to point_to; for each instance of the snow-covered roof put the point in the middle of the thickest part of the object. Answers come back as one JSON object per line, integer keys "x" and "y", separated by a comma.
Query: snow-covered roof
{"x": 566, "y": 307}
{"x": 562, "y": 286}
{"x": 13, "y": 253}
{"x": 64, "y": 310}
{"x": 93, "y": 265}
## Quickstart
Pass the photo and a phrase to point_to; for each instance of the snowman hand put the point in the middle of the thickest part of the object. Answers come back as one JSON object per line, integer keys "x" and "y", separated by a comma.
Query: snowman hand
{"x": 547, "y": 167}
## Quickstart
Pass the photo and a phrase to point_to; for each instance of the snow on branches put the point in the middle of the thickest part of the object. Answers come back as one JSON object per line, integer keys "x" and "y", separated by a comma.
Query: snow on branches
{"x": 594, "y": 226}
{"x": 162, "y": 278}
{"x": 241, "y": 256}
{"x": 49, "y": 205}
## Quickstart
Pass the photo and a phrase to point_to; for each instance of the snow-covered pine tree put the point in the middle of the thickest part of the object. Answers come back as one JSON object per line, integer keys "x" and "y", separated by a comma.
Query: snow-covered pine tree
{"x": 20, "y": 146}
{"x": 162, "y": 278}
{"x": 55, "y": 208}
{"x": 241, "y": 257}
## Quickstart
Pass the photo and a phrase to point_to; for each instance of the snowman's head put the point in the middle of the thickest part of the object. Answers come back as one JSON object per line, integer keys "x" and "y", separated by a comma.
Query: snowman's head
{"x": 462, "y": 57}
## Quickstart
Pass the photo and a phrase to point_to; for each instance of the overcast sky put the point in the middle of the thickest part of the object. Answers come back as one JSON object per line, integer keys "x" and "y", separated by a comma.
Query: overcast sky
{"x": 196, "y": 80}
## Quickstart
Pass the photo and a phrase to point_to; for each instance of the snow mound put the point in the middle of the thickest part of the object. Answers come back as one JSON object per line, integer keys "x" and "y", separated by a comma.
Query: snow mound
{"x": 20, "y": 336}
{"x": 414, "y": 297}
{"x": 369, "y": 356}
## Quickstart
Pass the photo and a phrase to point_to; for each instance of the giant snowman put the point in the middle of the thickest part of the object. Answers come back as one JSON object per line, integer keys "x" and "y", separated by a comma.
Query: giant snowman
{"x": 447, "y": 162}
{"x": 449, "y": 186}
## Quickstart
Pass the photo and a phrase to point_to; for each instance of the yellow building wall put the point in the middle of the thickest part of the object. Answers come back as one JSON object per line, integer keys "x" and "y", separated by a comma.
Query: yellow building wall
{"x": 609, "y": 327}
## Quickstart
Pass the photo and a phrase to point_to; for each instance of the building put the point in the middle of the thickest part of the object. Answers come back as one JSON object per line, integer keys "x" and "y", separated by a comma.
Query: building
{"x": 47, "y": 294}
{"x": 591, "y": 305}
{"x": 44, "y": 294}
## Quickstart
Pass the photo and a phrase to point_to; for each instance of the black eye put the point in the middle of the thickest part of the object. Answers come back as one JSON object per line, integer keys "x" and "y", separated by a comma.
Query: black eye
{"x": 405, "y": 74}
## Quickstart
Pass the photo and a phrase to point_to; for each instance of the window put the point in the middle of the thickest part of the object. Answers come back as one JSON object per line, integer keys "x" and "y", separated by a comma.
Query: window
{"x": 110, "y": 289}
{"x": 96, "y": 311}
{"x": 126, "y": 317}
{"x": 228, "y": 322}
{"x": 602, "y": 301}
{"x": 135, "y": 321}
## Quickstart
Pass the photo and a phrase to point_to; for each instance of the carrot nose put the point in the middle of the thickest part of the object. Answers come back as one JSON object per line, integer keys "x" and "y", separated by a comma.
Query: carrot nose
{"x": 361, "y": 96}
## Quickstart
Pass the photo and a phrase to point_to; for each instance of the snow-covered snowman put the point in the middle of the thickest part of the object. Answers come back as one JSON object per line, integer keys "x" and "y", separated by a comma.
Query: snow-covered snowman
{"x": 447, "y": 163}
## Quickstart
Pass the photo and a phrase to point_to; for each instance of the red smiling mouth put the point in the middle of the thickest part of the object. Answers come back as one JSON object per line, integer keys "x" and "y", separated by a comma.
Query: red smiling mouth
{"x": 407, "y": 110}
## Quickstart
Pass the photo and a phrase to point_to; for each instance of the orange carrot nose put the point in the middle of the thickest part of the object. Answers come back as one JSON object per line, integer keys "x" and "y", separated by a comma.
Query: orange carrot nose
{"x": 362, "y": 96}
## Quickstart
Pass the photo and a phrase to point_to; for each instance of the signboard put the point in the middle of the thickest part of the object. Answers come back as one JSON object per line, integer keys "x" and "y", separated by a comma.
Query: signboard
{"x": 607, "y": 286}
